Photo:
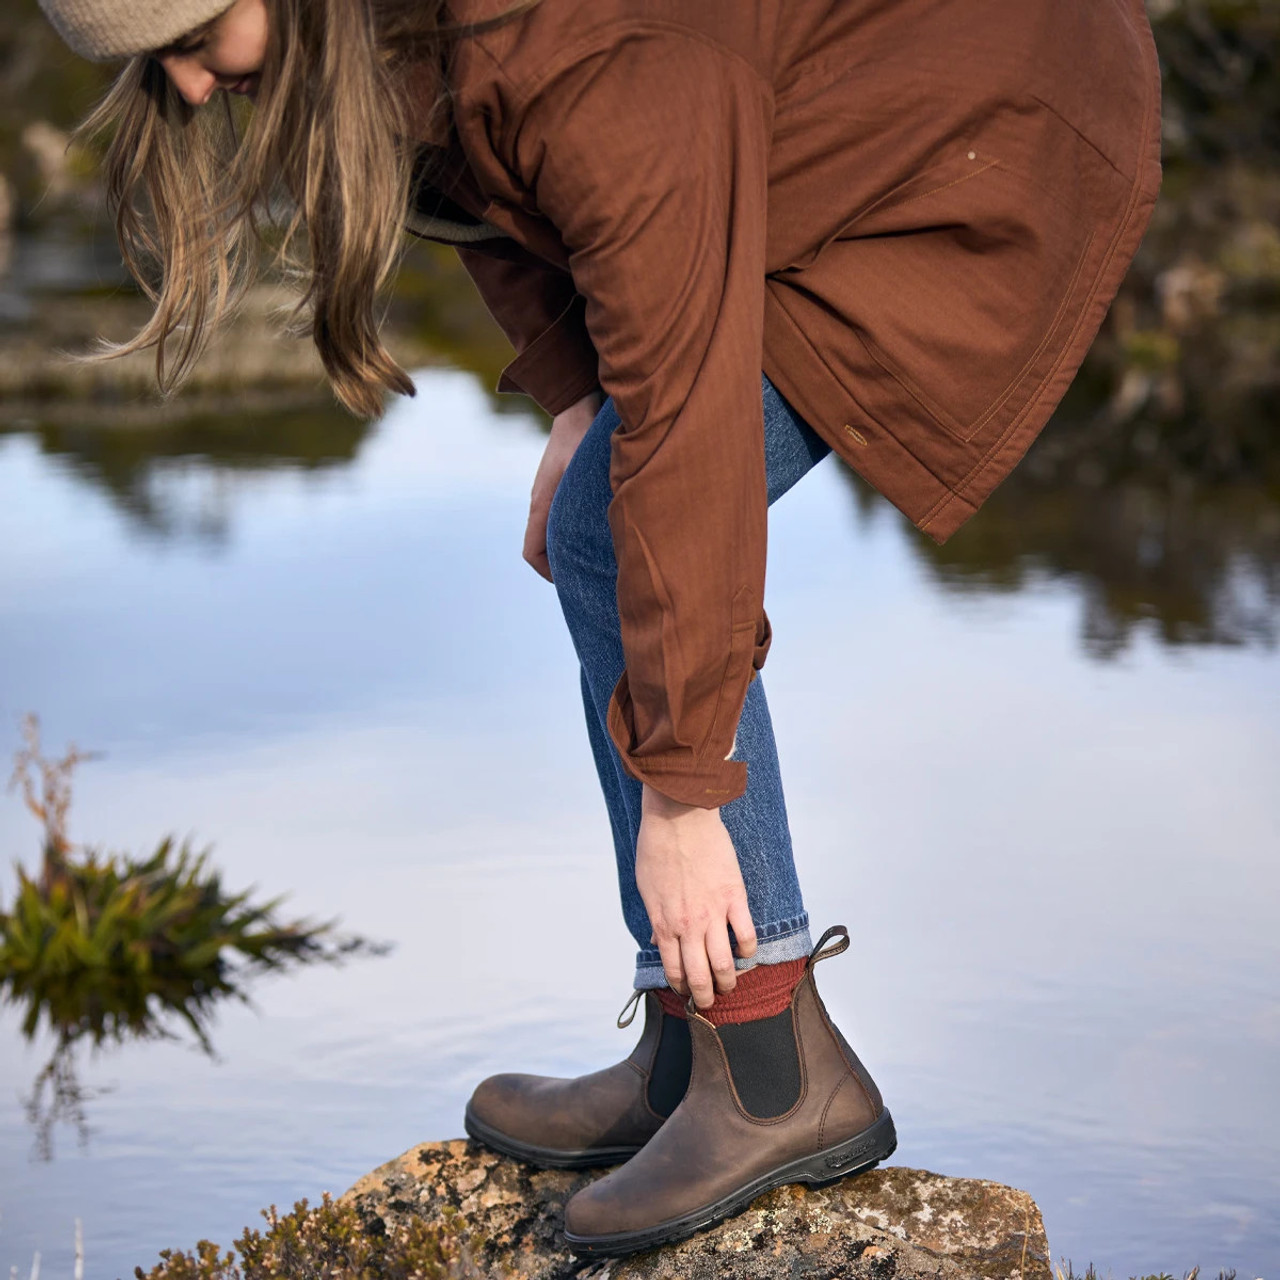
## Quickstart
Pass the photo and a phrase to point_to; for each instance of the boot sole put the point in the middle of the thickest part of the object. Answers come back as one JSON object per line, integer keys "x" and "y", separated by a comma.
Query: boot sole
{"x": 856, "y": 1155}
{"x": 544, "y": 1157}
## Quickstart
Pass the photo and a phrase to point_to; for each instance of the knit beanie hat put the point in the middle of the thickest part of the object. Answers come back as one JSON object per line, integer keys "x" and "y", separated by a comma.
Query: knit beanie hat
{"x": 104, "y": 29}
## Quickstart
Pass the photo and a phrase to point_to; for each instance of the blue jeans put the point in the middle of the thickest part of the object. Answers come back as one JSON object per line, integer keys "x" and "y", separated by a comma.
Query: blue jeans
{"x": 580, "y": 552}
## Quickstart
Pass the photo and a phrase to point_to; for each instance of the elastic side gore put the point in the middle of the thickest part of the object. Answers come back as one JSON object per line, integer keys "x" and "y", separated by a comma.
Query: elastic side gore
{"x": 669, "y": 1078}
{"x": 764, "y": 1063}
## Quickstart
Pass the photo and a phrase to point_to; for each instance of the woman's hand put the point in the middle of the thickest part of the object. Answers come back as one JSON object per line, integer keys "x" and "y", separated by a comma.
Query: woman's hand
{"x": 688, "y": 875}
{"x": 567, "y": 430}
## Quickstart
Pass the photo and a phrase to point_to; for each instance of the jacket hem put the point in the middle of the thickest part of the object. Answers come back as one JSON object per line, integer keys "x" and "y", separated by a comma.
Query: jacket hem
{"x": 881, "y": 452}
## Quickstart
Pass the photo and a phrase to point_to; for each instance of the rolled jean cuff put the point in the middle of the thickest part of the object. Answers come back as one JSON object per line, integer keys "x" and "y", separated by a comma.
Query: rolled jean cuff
{"x": 775, "y": 944}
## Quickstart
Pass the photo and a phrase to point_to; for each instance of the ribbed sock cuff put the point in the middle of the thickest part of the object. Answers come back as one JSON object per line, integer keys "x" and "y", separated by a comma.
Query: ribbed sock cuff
{"x": 761, "y": 992}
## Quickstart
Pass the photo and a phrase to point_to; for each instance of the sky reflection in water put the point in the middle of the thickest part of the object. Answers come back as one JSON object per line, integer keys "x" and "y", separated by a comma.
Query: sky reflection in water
{"x": 1060, "y": 874}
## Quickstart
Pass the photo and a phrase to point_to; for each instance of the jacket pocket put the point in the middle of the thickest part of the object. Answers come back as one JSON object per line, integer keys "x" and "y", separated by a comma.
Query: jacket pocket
{"x": 968, "y": 278}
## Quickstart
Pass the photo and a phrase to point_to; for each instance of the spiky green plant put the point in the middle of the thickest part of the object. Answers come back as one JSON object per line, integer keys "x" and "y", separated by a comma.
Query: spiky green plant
{"x": 101, "y": 948}
{"x": 115, "y": 947}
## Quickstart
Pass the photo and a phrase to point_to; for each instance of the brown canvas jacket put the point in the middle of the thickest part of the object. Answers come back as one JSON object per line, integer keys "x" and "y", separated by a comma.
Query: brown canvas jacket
{"x": 911, "y": 214}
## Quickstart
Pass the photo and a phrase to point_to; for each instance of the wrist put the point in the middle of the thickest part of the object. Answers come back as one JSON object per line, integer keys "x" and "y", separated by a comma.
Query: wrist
{"x": 656, "y": 805}
{"x": 578, "y": 417}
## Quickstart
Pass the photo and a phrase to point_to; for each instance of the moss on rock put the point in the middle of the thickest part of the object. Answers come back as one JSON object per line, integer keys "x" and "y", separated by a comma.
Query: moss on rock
{"x": 895, "y": 1222}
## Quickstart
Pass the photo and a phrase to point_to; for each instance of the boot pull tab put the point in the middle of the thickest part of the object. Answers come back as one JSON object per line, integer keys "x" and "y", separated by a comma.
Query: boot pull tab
{"x": 628, "y": 1014}
{"x": 823, "y": 952}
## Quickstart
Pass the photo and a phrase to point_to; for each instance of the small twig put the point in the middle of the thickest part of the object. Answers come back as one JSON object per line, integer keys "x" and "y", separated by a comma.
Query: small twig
{"x": 51, "y": 805}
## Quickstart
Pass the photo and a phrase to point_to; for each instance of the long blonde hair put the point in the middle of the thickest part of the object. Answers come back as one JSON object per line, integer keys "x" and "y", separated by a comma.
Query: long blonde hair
{"x": 319, "y": 170}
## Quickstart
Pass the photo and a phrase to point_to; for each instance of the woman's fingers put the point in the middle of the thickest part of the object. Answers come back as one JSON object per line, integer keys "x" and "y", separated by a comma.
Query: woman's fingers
{"x": 537, "y": 557}
{"x": 555, "y": 460}
{"x": 720, "y": 956}
{"x": 697, "y": 969}
{"x": 535, "y": 531}
{"x": 699, "y": 964}
{"x": 567, "y": 430}
{"x": 673, "y": 967}
{"x": 743, "y": 929}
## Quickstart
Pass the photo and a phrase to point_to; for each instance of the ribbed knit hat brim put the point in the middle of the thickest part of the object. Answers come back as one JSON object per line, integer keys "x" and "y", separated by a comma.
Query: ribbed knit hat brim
{"x": 103, "y": 29}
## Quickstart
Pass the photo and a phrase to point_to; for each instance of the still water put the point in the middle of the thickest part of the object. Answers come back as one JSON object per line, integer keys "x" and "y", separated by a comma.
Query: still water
{"x": 1060, "y": 872}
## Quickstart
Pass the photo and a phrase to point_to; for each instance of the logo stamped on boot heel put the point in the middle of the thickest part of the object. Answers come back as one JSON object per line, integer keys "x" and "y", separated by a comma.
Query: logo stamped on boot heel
{"x": 841, "y": 1159}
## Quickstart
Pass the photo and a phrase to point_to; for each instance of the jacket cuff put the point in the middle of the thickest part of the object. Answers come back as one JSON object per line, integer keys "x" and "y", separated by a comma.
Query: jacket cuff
{"x": 706, "y": 780}
{"x": 559, "y": 366}
{"x": 679, "y": 775}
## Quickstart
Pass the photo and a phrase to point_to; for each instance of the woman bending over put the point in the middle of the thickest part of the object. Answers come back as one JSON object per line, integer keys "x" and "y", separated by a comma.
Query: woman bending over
{"x": 725, "y": 238}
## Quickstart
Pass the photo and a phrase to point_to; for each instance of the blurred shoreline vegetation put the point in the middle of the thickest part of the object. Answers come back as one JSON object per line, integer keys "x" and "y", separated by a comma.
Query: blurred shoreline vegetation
{"x": 1155, "y": 491}
{"x": 100, "y": 949}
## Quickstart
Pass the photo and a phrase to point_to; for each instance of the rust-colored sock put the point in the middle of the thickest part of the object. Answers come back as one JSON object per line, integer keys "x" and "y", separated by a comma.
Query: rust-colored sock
{"x": 761, "y": 992}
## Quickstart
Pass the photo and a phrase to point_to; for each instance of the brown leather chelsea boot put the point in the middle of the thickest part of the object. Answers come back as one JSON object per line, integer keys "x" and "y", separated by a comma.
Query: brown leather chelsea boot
{"x": 784, "y": 1099}
{"x": 596, "y": 1119}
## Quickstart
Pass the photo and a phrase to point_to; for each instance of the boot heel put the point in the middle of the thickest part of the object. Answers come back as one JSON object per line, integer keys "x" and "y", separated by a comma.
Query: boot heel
{"x": 862, "y": 1152}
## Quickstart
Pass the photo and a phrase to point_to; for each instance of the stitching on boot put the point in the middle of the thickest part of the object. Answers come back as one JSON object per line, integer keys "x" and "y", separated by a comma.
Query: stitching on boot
{"x": 822, "y": 1124}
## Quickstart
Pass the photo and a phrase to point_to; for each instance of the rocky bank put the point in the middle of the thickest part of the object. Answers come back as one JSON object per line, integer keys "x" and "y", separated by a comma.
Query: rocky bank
{"x": 890, "y": 1222}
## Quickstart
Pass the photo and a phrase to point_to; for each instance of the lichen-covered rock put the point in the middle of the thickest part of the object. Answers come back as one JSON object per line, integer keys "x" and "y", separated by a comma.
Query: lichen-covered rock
{"x": 894, "y": 1223}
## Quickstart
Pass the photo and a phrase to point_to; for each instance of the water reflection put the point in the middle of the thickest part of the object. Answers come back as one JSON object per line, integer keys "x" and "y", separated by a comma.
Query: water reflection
{"x": 171, "y": 467}
{"x": 1191, "y": 567}
{"x": 141, "y": 466}
{"x": 1193, "y": 563}
{"x": 104, "y": 949}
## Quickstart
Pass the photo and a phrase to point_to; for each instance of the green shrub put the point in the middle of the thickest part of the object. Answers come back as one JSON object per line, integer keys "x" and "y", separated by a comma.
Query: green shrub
{"x": 103, "y": 948}
{"x": 329, "y": 1242}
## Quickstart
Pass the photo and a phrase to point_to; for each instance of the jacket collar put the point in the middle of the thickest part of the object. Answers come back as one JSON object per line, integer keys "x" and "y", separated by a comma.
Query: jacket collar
{"x": 447, "y": 205}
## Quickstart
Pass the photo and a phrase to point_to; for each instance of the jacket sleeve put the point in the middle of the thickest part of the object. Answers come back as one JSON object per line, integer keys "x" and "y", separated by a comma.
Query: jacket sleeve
{"x": 650, "y": 157}
{"x": 542, "y": 314}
